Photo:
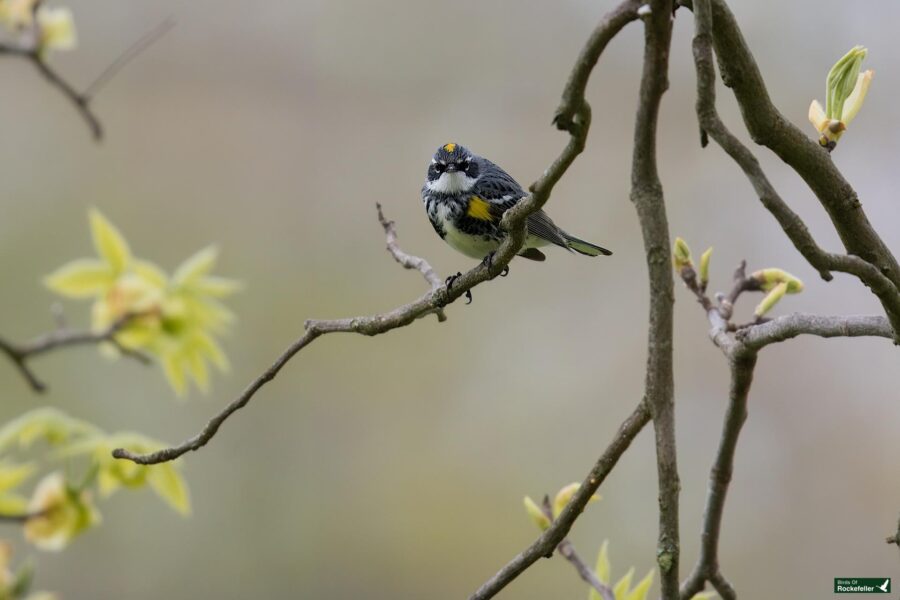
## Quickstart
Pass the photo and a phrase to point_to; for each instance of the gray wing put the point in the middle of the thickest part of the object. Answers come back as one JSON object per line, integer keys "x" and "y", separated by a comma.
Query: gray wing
{"x": 540, "y": 225}
{"x": 498, "y": 187}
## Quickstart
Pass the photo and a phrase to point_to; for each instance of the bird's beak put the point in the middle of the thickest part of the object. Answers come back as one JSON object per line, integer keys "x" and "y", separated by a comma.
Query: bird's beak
{"x": 451, "y": 168}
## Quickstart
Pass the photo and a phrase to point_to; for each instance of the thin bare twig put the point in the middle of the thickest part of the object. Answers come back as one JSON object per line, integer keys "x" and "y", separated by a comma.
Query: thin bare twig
{"x": 130, "y": 53}
{"x": 513, "y": 222}
{"x": 408, "y": 261}
{"x": 81, "y": 100}
{"x": 21, "y": 354}
{"x": 567, "y": 551}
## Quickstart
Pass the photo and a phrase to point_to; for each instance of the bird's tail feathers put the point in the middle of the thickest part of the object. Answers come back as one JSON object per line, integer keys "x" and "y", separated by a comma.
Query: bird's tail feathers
{"x": 583, "y": 247}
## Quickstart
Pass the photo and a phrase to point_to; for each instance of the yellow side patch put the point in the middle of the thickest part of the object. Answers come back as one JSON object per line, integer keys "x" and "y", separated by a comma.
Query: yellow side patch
{"x": 479, "y": 209}
{"x": 449, "y": 148}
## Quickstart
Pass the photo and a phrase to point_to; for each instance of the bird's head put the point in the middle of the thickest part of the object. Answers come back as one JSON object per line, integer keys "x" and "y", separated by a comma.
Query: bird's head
{"x": 453, "y": 170}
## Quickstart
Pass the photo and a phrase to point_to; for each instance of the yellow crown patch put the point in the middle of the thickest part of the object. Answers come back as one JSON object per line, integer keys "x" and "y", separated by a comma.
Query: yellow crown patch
{"x": 449, "y": 147}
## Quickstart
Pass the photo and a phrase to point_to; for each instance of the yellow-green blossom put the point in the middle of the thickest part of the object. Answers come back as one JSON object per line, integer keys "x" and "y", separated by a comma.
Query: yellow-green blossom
{"x": 48, "y": 424}
{"x": 11, "y": 477}
{"x": 62, "y": 513}
{"x": 56, "y": 29}
{"x": 172, "y": 318}
{"x": 17, "y": 14}
{"x": 112, "y": 474}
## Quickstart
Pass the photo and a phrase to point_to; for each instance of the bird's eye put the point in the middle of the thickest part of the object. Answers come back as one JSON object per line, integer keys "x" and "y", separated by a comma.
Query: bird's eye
{"x": 439, "y": 168}
{"x": 463, "y": 166}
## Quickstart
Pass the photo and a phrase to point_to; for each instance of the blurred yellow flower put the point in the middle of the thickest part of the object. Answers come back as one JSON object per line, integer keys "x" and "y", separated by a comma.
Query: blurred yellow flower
{"x": 172, "y": 318}
{"x": 16, "y": 14}
{"x": 63, "y": 513}
{"x": 11, "y": 476}
{"x": 112, "y": 474}
{"x": 56, "y": 29}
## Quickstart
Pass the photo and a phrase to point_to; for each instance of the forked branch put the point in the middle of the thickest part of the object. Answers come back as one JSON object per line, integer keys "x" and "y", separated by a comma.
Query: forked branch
{"x": 62, "y": 337}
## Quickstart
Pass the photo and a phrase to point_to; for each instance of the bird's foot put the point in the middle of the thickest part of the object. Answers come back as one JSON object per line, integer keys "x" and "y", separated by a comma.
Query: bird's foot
{"x": 449, "y": 283}
{"x": 488, "y": 262}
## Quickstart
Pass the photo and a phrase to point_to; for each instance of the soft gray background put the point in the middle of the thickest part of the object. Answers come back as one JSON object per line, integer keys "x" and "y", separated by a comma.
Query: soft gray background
{"x": 395, "y": 467}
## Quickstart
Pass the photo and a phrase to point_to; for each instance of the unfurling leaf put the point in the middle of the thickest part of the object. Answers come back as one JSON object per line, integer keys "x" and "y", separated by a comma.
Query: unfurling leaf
{"x": 769, "y": 278}
{"x": 169, "y": 485}
{"x": 82, "y": 278}
{"x": 681, "y": 255}
{"x": 623, "y": 585}
{"x": 197, "y": 266}
{"x": 537, "y": 515}
{"x": 109, "y": 243}
{"x": 48, "y": 424}
{"x": 771, "y": 299}
{"x": 602, "y": 570}
{"x": 704, "y": 266}
{"x": 641, "y": 590}
{"x": 845, "y": 92}
{"x": 564, "y": 496}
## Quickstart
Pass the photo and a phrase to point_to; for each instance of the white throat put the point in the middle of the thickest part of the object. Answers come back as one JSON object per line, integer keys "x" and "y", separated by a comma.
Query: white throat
{"x": 451, "y": 183}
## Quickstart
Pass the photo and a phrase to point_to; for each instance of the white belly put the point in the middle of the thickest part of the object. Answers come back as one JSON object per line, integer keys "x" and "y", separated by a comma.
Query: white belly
{"x": 472, "y": 246}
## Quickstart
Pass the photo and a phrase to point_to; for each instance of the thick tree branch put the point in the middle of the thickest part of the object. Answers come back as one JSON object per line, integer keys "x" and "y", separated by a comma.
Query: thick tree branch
{"x": 21, "y": 354}
{"x": 813, "y": 163}
{"x": 790, "y": 222}
{"x": 513, "y": 221}
{"x": 647, "y": 196}
{"x": 559, "y": 529}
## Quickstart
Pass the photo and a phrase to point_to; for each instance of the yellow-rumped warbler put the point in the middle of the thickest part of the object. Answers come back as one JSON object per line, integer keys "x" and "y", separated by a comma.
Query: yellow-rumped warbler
{"x": 466, "y": 195}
